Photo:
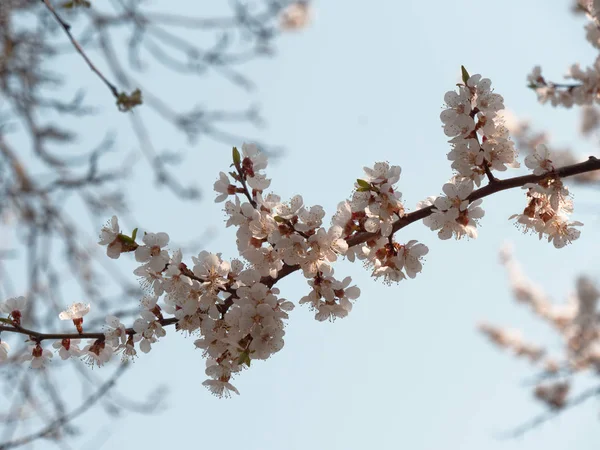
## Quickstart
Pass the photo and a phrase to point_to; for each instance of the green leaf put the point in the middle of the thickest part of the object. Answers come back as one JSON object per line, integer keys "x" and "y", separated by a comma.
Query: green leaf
{"x": 237, "y": 159}
{"x": 134, "y": 234}
{"x": 279, "y": 219}
{"x": 465, "y": 74}
{"x": 244, "y": 358}
{"x": 362, "y": 189}
{"x": 363, "y": 184}
{"x": 125, "y": 239}
{"x": 6, "y": 321}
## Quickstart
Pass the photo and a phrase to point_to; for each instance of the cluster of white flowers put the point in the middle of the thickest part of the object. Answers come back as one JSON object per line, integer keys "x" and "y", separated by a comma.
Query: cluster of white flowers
{"x": 480, "y": 141}
{"x": 585, "y": 88}
{"x": 233, "y": 308}
{"x": 576, "y": 321}
{"x": 481, "y": 144}
{"x": 549, "y": 204}
{"x": 453, "y": 214}
{"x": 374, "y": 208}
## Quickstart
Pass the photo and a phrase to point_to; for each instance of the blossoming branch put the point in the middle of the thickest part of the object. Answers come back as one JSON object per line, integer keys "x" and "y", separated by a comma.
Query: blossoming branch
{"x": 234, "y": 308}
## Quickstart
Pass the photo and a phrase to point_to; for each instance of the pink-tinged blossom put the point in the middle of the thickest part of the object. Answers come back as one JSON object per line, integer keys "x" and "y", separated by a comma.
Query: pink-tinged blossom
{"x": 75, "y": 312}
{"x": 310, "y": 219}
{"x": 540, "y": 161}
{"x": 175, "y": 282}
{"x": 109, "y": 236}
{"x": 67, "y": 348}
{"x": 39, "y": 357}
{"x": 560, "y": 231}
{"x": 148, "y": 328}
{"x": 410, "y": 257}
{"x": 220, "y": 388}
{"x": 262, "y": 224}
{"x": 116, "y": 333}
{"x": 223, "y": 187}
{"x": 97, "y": 353}
{"x": 382, "y": 173}
{"x": 14, "y": 307}
{"x": 290, "y": 209}
{"x": 330, "y": 298}
{"x": 461, "y": 126}
{"x": 266, "y": 260}
{"x": 211, "y": 269}
{"x": 295, "y": 16}
{"x": 150, "y": 280}
{"x": 255, "y": 157}
{"x": 259, "y": 182}
{"x": 454, "y": 214}
{"x": 152, "y": 252}
{"x": 458, "y": 104}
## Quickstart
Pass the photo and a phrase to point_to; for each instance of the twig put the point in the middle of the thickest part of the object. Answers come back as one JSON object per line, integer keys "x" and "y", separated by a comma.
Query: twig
{"x": 65, "y": 26}
{"x": 590, "y": 165}
{"x": 38, "y": 337}
{"x": 51, "y": 429}
{"x": 539, "y": 420}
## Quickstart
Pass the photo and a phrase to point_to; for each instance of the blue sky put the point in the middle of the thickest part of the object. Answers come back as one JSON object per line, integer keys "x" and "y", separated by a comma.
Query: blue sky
{"x": 407, "y": 369}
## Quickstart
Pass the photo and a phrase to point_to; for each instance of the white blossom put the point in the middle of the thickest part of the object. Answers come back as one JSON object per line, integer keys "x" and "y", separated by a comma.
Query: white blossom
{"x": 75, "y": 311}
{"x": 109, "y": 236}
{"x": 152, "y": 253}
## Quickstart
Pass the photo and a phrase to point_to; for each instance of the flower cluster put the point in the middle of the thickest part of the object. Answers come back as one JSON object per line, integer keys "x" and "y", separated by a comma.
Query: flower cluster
{"x": 454, "y": 214}
{"x": 232, "y": 308}
{"x": 512, "y": 340}
{"x": 585, "y": 88}
{"x": 549, "y": 204}
{"x": 375, "y": 208}
{"x": 480, "y": 141}
{"x": 576, "y": 321}
{"x": 527, "y": 139}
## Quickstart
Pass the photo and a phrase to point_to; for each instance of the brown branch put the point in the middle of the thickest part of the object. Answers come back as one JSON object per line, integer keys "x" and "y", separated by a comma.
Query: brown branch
{"x": 590, "y": 165}
{"x": 488, "y": 172}
{"x": 65, "y": 26}
{"x": 38, "y": 337}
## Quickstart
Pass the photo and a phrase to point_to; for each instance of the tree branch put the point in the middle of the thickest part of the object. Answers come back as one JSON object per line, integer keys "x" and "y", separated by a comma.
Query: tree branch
{"x": 51, "y": 429}
{"x": 590, "y": 165}
{"x": 65, "y": 26}
{"x": 521, "y": 430}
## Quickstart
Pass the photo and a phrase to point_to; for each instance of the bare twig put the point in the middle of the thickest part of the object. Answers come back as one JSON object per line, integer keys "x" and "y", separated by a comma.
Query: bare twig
{"x": 54, "y": 427}
{"x": 539, "y": 420}
{"x": 65, "y": 26}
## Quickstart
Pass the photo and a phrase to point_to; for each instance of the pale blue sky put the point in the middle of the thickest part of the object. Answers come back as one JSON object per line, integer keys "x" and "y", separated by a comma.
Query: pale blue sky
{"x": 364, "y": 83}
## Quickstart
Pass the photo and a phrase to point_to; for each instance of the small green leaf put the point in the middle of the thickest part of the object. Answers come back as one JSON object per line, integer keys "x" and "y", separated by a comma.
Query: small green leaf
{"x": 134, "y": 234}
{"x": 244, "y": 358}
{"x": 465, "y": 74}
{"x": 7, "y": 321}
{"x": 363, "y": 183}
{"x": 125, "y": 239}
{"x": 279, "y": 219}
{"x": 362, "y": 189}
{"x": 237, "y": 159}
